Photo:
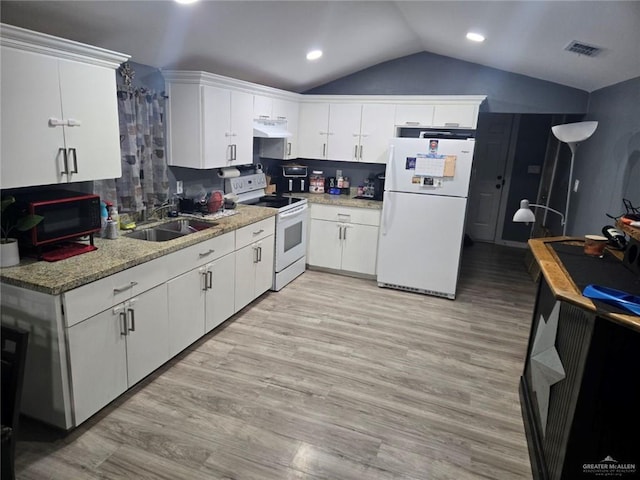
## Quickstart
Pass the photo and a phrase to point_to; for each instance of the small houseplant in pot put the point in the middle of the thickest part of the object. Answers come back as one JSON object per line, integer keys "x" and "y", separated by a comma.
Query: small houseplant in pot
{"x": 11, "y": 219}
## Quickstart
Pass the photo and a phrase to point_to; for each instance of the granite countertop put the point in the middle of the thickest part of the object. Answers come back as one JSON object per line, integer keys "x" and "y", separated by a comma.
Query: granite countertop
{"x": 563, "y": 286}
{"x": 113, "y": 256}
{"x": 339, "y": 200}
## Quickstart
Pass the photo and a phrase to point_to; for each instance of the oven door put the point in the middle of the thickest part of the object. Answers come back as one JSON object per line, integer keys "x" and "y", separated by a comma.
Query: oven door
{"x": 291, "y": 236}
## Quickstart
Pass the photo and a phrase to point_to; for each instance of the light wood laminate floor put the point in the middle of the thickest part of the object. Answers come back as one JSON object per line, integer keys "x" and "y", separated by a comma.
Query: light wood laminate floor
{"x": 331, "y": 378}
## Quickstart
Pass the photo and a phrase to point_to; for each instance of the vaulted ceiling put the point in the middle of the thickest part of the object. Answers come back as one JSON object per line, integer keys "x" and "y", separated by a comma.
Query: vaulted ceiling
{"x": 266, "y": 41}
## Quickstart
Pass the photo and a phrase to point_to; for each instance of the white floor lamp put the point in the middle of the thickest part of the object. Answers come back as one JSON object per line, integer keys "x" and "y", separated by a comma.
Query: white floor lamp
{"x": 571, "y": 134}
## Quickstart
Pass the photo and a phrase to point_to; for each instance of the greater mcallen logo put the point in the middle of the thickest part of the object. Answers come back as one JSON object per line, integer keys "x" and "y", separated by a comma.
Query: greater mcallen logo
{"x": 609, "y": 467}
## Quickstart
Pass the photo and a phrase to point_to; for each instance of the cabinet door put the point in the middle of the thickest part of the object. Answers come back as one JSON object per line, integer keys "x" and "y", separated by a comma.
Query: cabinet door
{"x": 262, "y": 107}
{"x": 344, "y": 131}
{"x": 245, "y": 281}
{"x": 186, "y": 296}
{"x": 89, "y": 98}
{"x": 264, "y": 267}
{"x": 289, "y": 111}
{"x": 185, "y": 117}
{"x": 325, "y": 244}
{"x": 148, "y": 333}
{"x": 220, "y": 298}
{"x": 30, "y": 96}
{"x": 360, "y": 248}
{"x": 98, "y": 361}
{"x": 241, "y": 128}
{"x": 216, "y": 127}
{"x": 313, "y": 130}
{"x": 455, "y": 116}
{"x": 414, "y": 115}
{"x": 375, "y": 132}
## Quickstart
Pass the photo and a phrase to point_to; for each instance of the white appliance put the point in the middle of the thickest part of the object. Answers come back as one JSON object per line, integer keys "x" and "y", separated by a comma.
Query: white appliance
{"x": 423, "y": 214}
{"x": 291, "y": 225}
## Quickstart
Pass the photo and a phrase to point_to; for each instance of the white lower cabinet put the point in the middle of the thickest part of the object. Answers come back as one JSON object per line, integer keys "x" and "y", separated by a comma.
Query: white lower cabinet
{"x": 186, "y": 309}
{"x": 220, "y": 294}
{"x": 199, "y": 301}
{"x": 115, "y": 349}
{"x": 103, "y": 337}
{"x": 343, "y": 238}
{"x": 254, "y": 261}
{"x": 254, "y": 271}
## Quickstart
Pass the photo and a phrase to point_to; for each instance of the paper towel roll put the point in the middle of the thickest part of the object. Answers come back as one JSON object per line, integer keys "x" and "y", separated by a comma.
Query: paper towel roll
{"x": 228, "y": 172}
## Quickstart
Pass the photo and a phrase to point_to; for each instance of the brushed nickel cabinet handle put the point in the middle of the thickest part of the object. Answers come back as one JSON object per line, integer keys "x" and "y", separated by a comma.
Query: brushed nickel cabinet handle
{"x": 73, "y": 153}
{"x": 123, "y": 317}
{"x": 124, "y": 289}
{"x": 205, "y": 254}
{"x": 209, "y": 279}
{"x": 132, "y": 313}
{"x": 65, "y": 161}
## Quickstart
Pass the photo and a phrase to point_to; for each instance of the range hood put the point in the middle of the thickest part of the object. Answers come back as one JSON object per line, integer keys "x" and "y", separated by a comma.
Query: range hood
{"x": 270, "y": 129}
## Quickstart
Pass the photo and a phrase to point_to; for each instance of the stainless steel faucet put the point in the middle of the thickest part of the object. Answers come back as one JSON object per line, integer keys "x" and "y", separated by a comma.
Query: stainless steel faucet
{"x": 149, "y": 214}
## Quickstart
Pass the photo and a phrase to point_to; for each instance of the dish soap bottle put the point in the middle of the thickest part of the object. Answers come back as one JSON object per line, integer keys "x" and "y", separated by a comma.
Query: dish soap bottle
{"x": 103, "y": 219}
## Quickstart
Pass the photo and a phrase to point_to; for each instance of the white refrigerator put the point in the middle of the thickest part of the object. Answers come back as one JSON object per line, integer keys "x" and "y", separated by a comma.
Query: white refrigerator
{"x": 423, "y": 214}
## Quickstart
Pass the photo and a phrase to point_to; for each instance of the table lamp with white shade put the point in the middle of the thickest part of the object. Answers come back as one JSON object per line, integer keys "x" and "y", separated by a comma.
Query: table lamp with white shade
{"x": 571, "y": 134}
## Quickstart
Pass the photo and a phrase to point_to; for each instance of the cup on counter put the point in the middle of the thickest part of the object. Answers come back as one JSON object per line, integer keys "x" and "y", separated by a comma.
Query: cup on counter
{"x": 594, "y": 245}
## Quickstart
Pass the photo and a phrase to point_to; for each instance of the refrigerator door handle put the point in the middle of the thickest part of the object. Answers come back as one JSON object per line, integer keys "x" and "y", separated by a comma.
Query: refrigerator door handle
{"x": 386, "y": 208}
{"x": 390, "y": 184}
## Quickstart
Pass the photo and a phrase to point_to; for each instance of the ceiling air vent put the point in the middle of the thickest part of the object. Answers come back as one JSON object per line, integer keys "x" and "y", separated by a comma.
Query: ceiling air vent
{"x": 583, "y": 49}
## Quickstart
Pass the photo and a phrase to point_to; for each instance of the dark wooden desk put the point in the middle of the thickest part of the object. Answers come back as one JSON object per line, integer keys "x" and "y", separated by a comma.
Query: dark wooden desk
{"x": 580, "y": 389}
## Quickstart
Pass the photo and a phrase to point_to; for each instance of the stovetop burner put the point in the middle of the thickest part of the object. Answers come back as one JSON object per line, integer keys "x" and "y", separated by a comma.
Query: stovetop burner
{"x": 277, "y": 201}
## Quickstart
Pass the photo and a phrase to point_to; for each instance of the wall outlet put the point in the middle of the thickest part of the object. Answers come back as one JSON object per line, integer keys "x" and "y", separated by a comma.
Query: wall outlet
{"x": 179, "y": 187}
{"x": 576, "y": 184}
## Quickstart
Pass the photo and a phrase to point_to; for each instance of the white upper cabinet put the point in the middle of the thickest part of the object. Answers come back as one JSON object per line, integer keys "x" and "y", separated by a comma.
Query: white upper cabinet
{"x": 440, "y": 112}
{"x": 208, "y": 126}
{"x": 262, "y": 107}
{"x": 344, "y": 131}
{"x": 313, "y": 130}
{"x": 354, "y": 132}
{"x": 59, "y": 115}
{"x": 455, "y": 116}
{"x": 376, "y": 129}
{"x": 414, "y": 115}
{"x": 241, "y": 128}
{"x": 280, "y": 110}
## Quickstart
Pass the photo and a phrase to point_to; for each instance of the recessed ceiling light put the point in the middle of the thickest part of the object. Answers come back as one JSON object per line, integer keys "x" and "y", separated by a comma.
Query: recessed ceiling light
{"x": 185, "y": 2}
{"x": 314, "y": 54}
{"x": 475, "y": 37}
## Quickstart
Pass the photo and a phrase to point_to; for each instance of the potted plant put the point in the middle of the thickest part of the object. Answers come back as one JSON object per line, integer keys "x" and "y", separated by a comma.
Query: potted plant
{"x": 10, "y": 220}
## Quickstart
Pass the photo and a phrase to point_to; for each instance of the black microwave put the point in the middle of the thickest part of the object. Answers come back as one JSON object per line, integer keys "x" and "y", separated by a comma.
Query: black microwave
{"x": 66, "y": 215}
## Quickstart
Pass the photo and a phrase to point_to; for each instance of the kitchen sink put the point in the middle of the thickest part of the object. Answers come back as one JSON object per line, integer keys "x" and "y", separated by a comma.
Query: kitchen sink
{"x": 186, "y": 226}
{"x": 155, "y": 235}
{"x": 171, "y": 230}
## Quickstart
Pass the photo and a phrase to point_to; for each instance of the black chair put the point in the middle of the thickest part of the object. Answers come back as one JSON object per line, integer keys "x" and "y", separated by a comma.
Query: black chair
{"x": 14, "y": 353}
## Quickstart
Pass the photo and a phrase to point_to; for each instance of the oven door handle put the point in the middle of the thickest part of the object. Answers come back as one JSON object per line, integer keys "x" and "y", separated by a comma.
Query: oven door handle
{"x": 293, "y": 211}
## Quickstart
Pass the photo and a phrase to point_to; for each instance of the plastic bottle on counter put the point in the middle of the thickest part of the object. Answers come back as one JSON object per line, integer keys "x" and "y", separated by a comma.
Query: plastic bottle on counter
{"x": 112, "y": 221}
{"x": 104, "y": 214}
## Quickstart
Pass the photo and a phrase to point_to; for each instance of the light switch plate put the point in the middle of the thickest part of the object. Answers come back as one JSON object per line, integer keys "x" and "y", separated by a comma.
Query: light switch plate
{"x": 179, "y": 187}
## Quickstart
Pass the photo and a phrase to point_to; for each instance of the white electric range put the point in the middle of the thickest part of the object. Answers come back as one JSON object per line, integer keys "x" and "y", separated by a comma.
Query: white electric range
{"x": 291, "y": 225}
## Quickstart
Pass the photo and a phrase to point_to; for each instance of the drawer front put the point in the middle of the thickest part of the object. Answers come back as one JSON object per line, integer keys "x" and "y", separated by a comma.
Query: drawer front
{"x": 363, "y": 216}
{"x": 95, "y": 297}
{"x": 254, "y": 232}
{"x": 199, "y": 254}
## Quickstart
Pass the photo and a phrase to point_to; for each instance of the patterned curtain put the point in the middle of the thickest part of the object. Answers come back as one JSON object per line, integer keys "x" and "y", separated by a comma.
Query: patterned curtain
{"x": 144, "y": 169}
